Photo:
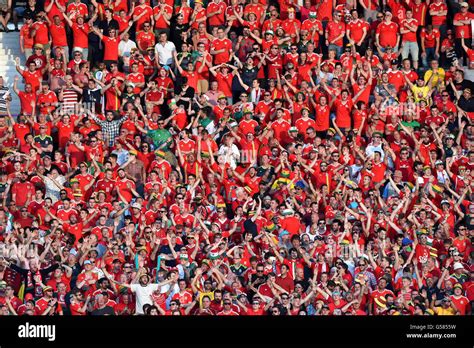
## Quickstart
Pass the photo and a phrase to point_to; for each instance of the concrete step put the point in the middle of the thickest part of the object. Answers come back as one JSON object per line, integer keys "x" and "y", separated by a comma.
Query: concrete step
{"x": 5, "y": 51}
{"x": 9, "y": 50}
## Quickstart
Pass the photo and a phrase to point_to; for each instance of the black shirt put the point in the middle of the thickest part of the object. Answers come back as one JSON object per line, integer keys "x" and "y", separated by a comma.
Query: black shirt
{"x": 176, "y": 34}
{"x": 460, "y": 86}
{"x": 466, "y": 104}
{"x": 165, "y": 249}
{"x": 188, "y": 93}
{"x": 103, "y": 311}
{"x": 106, "y": 25}
{"x": 32, "y": 11}
{"x": 91, "y": 96}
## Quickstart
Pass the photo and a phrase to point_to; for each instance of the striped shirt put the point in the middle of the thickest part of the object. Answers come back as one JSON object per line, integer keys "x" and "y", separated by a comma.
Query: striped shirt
{"x": 4, "y": 94}
{"x": 70, "y": 99}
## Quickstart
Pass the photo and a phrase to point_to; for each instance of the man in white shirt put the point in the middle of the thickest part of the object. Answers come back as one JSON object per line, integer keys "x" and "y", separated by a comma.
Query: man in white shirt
{"x": 164, "y": 50}
{"x": 144, "y": 289}
{"x": 126, "y": 48}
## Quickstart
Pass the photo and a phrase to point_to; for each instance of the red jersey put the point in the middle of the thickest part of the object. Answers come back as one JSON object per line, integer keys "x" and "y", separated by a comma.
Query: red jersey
{"x": 388, "y": 34}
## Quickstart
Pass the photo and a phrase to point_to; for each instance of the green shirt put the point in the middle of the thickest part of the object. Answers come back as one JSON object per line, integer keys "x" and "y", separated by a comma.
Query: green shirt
{"x": 411, "y": 124}
{"x": 159, "y": 137}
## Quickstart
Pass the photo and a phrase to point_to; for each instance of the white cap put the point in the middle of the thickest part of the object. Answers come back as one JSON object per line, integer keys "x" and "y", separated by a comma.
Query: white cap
{"x": 458, "y": 265}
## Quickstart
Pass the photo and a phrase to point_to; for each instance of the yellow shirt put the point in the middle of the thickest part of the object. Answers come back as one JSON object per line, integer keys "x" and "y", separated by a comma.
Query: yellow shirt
{"x": 438, "y": 79}
{"x": 202, "y": 294}
{"x": 442, "y": 311}
{"x": 420, "y": 93}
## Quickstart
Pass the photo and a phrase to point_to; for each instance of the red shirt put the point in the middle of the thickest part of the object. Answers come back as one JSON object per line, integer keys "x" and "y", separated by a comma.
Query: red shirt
{"x": 309, "y": 24}
{"x": 145, "y": 18}
{"x": 22, "y": 190}
{"x": 34, "y": 78}
{"x": 343, "y": 112}
{"x": 322, "y": 117}
{"x": 58, "y": 34}
{"x": 160, "y": 22}
{"x": 136, "y": 78}
{"x": 334, "y": 30}
{"x": 48, "y": 98}
{"x": 280, "y": 128}
{"x": 41, "y": 34}
{"x": 357, "y": 29}
{"x": 145, "y": 40}
{"x": 80, "y": 35}
{"x": 77, "y": 9}
{"x": 388, "y": 34}
{"x": 466, "y": 29}
{"x": 257, "y": 9}
{"x": 225, "y": 83}
{"x": 219, "y": 18}
{"x": 419, "y": 13}
{"x": 224, "y": 44}
{"x": 25, "y": 32}
{"x": 325, "y": 10}
{"x": 25, "y": 101}
{"x": 411, "y": 36}
{"x": 110, "y": 48}
{"x": 303, "y": 125}
{"x": 438, "y": 20}
{"x": 430, "y": 38}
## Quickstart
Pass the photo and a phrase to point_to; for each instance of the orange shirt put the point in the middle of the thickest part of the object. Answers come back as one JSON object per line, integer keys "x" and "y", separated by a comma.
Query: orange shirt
{"x": 25, "y": 32}
{"x": 41, "y": 34}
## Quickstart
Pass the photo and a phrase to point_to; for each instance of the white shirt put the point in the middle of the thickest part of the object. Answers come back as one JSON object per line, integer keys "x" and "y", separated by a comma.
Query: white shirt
{"x": 165, "y": 52}
{"x": 232, "y": 154}
{"x": 143, "y": 295}
{"x": 369, "y": 151}
{"x": 124, "y": 48}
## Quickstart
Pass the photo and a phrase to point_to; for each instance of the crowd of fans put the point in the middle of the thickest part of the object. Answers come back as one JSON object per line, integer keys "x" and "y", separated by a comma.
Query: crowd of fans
{"x": 241, "y": 158}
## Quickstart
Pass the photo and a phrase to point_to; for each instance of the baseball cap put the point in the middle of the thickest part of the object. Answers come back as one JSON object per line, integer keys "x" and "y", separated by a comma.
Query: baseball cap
{"x": 136, "y": 206}
{"x": 464, "y": 4}
{"x": 458, "y": 265}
